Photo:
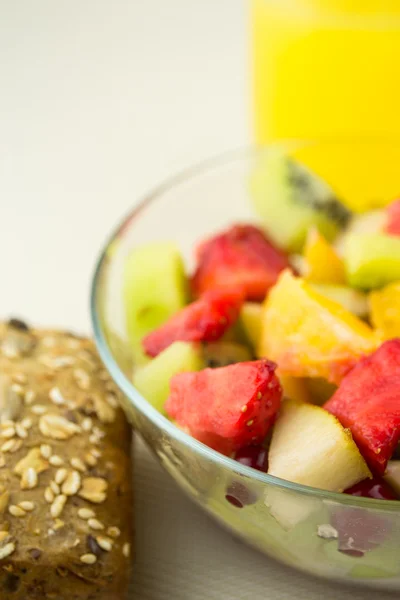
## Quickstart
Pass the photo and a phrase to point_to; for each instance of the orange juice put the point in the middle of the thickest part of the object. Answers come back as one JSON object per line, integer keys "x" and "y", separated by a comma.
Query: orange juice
{"x": 330, "y": 70}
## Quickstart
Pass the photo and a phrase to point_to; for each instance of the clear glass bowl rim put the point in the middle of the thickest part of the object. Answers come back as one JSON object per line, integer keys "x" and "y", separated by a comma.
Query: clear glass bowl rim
{"x": 141, "y": 403}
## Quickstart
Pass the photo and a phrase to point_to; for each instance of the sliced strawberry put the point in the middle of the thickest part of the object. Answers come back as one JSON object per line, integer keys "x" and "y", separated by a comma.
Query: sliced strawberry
{"x": 368, "y": 403}
{"x": 205, "y": 320}
{"x": 393, "y": 218}
{"x": 229, "y": 407}
{"x": 241, "y": 256}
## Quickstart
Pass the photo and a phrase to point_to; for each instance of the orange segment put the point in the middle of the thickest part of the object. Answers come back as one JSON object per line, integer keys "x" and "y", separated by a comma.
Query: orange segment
{"x": 309, "y": 335}
{"x": 385, "y": 310}
{"x": 323, "y": 265}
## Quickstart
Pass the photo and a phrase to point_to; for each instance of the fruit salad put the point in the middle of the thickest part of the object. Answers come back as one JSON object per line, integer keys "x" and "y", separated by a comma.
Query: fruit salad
{"x": 280, "y": 348}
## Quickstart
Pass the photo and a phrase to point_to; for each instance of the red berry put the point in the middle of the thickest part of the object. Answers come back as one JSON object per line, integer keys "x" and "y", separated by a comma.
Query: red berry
{"x": 205, "y": 320}
{"x": 393, "y": 218}
{"x": 253, "y": 456}
{"x": 241, "y": 256}
{"x": 372, "y": 488}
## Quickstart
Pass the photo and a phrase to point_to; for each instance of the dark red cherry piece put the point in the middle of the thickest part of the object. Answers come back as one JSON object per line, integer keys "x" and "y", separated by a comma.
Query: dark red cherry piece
{"x": 253, "y": 456}
{"x": 376, "y": 488}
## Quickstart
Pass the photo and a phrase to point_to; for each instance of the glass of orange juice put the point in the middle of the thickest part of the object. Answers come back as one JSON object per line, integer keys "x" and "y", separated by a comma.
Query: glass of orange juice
{"x": 328, "y": 70}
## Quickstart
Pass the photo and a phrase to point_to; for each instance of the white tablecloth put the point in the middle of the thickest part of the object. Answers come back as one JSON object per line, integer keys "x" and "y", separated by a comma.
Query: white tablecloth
{"x": 99, "y": 101}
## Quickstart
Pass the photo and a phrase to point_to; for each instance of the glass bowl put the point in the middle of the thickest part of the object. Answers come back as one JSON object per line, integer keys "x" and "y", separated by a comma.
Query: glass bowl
{"x": 326, "y": 534}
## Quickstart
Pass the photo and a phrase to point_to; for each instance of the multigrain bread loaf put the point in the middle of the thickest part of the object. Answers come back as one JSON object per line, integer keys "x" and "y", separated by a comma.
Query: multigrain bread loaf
{"x": 65, "y": 476}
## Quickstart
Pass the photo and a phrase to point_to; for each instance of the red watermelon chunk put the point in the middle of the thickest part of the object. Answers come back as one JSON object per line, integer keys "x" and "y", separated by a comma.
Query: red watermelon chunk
{"x": 229, "y": 407}
{"x": 242, "y": 256}
{"x": 368, "y": 403}
{"x": 393, "y": 218}
{"x": 205, "y": 320}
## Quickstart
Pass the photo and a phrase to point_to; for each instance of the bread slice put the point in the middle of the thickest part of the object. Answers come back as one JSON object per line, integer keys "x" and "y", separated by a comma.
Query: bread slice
{"x": 65, "y": 470}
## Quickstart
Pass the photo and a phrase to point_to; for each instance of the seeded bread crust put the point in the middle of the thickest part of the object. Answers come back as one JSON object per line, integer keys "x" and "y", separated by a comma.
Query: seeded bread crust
{"x": 65, "y": 471}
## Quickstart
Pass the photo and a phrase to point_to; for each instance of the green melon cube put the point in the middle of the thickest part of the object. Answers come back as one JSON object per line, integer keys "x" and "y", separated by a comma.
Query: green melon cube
{"x": 155, "y": 287}
{"x": 152, "y": 380}
{"x": 250, "y": 322}
{"x": 372, "y": 260}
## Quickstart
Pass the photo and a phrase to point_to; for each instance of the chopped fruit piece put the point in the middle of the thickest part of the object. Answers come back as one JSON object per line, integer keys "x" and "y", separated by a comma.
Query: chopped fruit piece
{"x": 320, "y": 390}
{"x": 152, "y": 380}
{"x": 289, "y": 509}
{"x": 376, "y": 488}
{"x": 323, "y": 264}
{"x": 250, "y": 322}
{"x": 253, "y": 456}
{"x": 369, "y": 222}
{"x": 352, "y": 300}
{"x": 205, "y": 320}
{"x": 227, "y": 408}
{"x": 392, "y": 226}
{"x": 298, "y": 264}
{"x": 305, "y": 439}
{"x": 385, "y": 310}
{"x": 372, "y": 260}
{"x": 309, "y": 335}
{"x": 368, "y": 403}
{"x": 392, "y": 475}
{"x": 241, "y": 256}
{"x": 294, "y": 388}
{"x": 233, "y": 335}
{"x": 372, "y": 221}
{"x": 221, "y": 354}
{"x": 154, "y": 289}
{"x": 290, "y": 199}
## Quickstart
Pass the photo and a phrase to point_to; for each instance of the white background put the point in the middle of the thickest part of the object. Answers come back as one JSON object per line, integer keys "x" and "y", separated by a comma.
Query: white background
{"x": 99, "y": 101}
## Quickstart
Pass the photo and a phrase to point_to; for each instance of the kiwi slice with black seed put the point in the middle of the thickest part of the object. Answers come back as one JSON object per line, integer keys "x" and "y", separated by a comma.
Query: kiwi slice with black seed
{"x": 290, "y": 199}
